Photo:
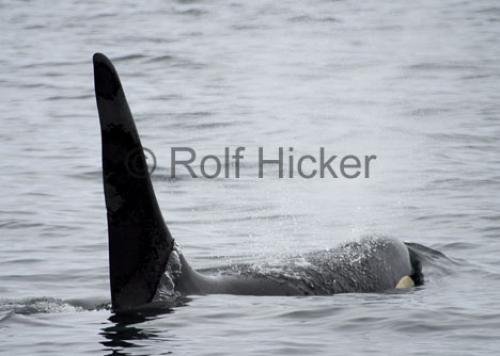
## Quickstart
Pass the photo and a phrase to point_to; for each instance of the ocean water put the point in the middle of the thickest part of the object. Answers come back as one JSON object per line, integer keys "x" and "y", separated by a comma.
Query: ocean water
{"x": 415, "y": 83}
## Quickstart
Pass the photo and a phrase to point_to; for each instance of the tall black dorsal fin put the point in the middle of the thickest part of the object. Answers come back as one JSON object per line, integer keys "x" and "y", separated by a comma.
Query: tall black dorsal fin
{"x": 139, "y": 241}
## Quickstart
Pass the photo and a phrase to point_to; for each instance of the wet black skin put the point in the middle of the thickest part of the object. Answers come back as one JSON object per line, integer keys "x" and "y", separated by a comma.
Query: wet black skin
{"x": 140, "y": 243}
{"x": 379, "y": 270}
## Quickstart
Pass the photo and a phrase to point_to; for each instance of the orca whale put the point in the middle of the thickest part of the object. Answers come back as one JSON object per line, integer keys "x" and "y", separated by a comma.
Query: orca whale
{"x": 146, "y": 266}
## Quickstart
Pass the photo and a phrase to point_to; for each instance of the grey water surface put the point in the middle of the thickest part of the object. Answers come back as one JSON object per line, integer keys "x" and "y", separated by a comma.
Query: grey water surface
{"x": 415, "y": 83}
